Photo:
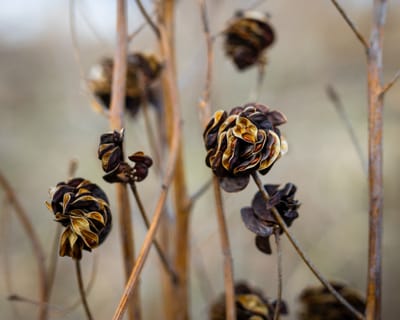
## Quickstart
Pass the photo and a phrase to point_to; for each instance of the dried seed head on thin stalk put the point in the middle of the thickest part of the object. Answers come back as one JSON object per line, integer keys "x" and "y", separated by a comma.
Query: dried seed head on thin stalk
{"x": 243, "y": 141}
{"x": 259, "y": 217}
{"x": 143, "y": 71}
{"x": 110, "y": 152}
{"x": 247, "y": 37}
{"x": 83, "y": 209}
{"x": 250, "y": 304}
{"x": 319, "y": 304}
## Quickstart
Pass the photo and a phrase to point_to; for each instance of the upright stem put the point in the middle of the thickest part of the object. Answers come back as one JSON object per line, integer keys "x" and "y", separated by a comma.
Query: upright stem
{"x": 230, "y": 308}
{"x": 116, "y": 123}
{"x": 82, "y": 289}
{"x": 375, "y": 125}
{"x": 179, "y": 307}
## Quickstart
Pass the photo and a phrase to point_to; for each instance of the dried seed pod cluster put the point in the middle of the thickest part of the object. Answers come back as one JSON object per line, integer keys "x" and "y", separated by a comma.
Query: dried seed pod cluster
{"x": 319, "y": 304}
{"x": 142, "y": 74}
{"x": 83, "y": 209}
{"x": 247, "y": 37}
{"x": 243, "y": 141}
{"x": 259, "y": 217}
{"x": 250, "y": 304}
{"x": 110, "y": 152}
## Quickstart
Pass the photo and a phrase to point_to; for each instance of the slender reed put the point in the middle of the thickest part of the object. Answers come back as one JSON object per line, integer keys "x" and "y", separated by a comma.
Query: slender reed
{"x": 279, "y": 259}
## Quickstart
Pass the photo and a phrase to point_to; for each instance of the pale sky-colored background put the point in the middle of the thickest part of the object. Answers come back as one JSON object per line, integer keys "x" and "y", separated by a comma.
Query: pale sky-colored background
{"x": 45, "y": 120}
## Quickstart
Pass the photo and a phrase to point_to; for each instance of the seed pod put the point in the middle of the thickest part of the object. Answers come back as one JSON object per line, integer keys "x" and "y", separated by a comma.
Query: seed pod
{"x": 250, "y": 304}
{"x": 247, "y": 37}
{"x": 319, "y": 304}
{"x": 241, "y": 142}
{"x": 142, "y": 74}
{"x": 83, "y": 209}
{"x": 142, "y": 165}
{"x": 259, "y": 217}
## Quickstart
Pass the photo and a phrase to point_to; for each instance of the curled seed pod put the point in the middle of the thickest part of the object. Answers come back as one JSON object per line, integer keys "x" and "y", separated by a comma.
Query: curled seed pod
{"x": 142, "y": 74}
{"x": 110, "y": 152}
{"x": 243, "y": 141}
{"x": 142, "y": 165}
{"x": 319, "y": 304}
{"x": 250, "y": 304}
{"x": 247, "y": 37}
{"x": 259, "y": 217}
{"x": 83, "y": 209}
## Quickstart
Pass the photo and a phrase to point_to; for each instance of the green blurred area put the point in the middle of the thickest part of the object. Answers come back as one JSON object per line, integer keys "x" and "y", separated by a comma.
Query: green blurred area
{"x": 46, "y": 119}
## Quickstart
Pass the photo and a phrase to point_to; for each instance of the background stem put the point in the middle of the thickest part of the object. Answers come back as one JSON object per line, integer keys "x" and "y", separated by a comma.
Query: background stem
{"x": 82, "y": 289}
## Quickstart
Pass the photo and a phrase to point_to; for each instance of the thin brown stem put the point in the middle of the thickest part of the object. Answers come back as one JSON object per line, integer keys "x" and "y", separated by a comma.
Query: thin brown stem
{"x": 351, "y": 24}
{"x": 82, "y": 289}
{"x": 35, "y": 242}
{"x": 148, "y": 18}
{"x": 52, "y": 268}
{"x": 170, "y": 169}
{"x": 337, "y": 103}
{"x": 375, "y": 152}
{"x": 166, "y": 264}
{"x": 390, "y": 84}
{"x": 302, "y": 254}
{"x": 197, "y": 194}
{"x": 277, "y": 310}
{"x": 116, "y": 123}
{"x": 230, "y": 306}
{"x": 260, "y": 80}
{"x": 204, "y": 105}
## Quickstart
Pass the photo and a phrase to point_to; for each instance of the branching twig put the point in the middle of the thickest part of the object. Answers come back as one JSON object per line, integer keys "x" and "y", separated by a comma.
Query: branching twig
{"x": 301, "y": 253}
{"x": 171, "y": 164}
{"x": 351, "y": 25}
{"x": 337, "y": 102}
{"x": 35, "y": 242}
{"x": 277, "y": 310}
{"x": 167, "y": 265}
{"x": 82, "y": 289}
{"x": 390, "y": 84}
{"x": 230, "y": 307}
{"x": 148, "y": 18}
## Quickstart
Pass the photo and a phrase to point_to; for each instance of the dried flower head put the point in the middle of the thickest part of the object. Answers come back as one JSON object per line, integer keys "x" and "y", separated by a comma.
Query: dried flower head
{"x": 243, "y": 141}
{"x": 251, "y": 304}
{"x": 247, "y": 37}
{"x": 259, "y": 217}
{"x": 110, "y": 153}
{"x": 142, "y": 74}
{"x": 83, "y": 209}
{"x": 142, "y": 165}
{"x": 319, "y": 304}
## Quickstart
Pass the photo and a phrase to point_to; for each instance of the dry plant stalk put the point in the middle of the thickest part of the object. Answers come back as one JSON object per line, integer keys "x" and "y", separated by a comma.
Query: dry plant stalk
{"x": 376, "y": 91}
{"x": 116, "y": 123}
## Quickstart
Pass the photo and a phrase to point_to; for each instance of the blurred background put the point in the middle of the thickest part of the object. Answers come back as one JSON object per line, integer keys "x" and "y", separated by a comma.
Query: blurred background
{"x": 46, "y": 120}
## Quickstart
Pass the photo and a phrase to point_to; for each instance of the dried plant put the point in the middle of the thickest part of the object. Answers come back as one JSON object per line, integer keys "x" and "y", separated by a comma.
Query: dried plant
{"x": 240, "y": 144}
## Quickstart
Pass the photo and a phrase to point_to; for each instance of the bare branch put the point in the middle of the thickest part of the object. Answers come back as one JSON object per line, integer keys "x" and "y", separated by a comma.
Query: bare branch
{"x": 204, "y": 105}
{"x": 171, "y": 165}
{"x": 351, "y": 24}
{"x": 390, "y": 84}
{"x": 166, "y": 264}
{"x": 148, "y": 18}
{"x": 337, "y": 103}
{"x": 301, "y": 252}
